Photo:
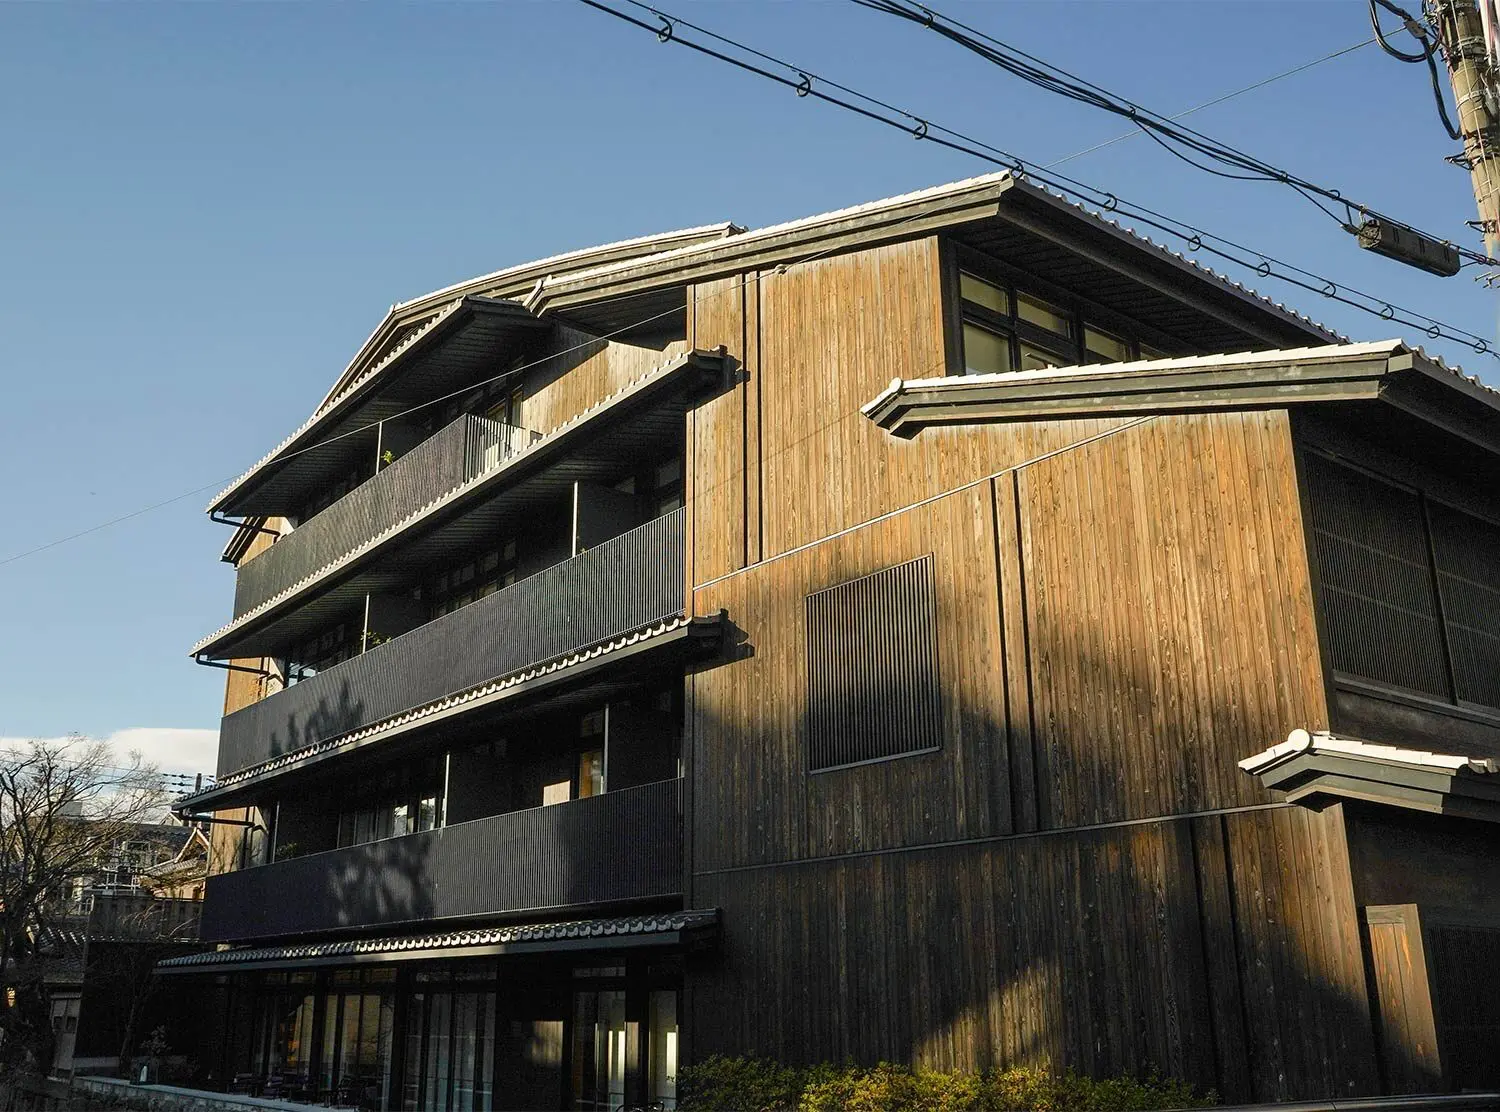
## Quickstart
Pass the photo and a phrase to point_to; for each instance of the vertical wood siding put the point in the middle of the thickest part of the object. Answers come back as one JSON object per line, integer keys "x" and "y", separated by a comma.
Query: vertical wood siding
{"x": 588, "y": 371}
{"x": 1117, "y": 625}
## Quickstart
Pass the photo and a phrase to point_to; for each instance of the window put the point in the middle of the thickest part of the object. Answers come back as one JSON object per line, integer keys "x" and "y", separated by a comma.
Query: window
{"x": 322, "y": 651}
{"x": 473, "y": 579}
{"x": 1035, "y": 311}
{"x": 872, "y": 668}
{"x": 1106, "y": 347}
{"x": 392, "y": 817}
{"x": 985, "y": 352}
{"x": 1004, "y": 328}
{"x": 1410, "y": 588}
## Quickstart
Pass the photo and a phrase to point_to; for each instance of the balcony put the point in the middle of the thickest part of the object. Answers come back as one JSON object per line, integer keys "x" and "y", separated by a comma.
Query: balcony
{"x": 624, "y": 845}
{"x": 463, "y": 450}
{"x": 623, "y": 584}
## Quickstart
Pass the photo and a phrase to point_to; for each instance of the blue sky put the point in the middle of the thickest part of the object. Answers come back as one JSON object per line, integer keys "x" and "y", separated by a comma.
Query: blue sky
{"x": 205, "y": 208}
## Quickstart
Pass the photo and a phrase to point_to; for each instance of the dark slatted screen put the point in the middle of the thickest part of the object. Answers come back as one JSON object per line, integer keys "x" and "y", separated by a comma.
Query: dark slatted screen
{"x": 1468, "y": 570}
{"x": 872, "y": 667}
{"x": 1468, "y": 1009}
{"x": 1378, "y": 601}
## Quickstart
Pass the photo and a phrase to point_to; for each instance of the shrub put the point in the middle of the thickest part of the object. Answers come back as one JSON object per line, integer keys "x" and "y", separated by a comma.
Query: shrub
{"x": 749, "y": 1084}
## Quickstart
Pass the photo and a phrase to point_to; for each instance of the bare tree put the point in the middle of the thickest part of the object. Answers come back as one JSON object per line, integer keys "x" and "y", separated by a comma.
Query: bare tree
{"x": 64, "y": 808}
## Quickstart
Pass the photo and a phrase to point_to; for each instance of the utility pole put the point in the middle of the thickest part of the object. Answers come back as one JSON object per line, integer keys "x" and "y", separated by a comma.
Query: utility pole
{"x": 1462, "y": 35}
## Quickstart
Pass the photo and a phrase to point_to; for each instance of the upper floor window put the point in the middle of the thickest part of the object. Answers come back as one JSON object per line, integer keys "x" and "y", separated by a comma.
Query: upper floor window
{"x": 1410, "y": 587}
{"x": 1008, "y": 328}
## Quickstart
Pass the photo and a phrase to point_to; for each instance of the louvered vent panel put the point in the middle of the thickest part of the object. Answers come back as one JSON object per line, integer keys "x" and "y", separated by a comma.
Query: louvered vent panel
{"x": 1468, "y": 567}
{"x": 1377, "y": 596}
{"x": 872, "y": 667}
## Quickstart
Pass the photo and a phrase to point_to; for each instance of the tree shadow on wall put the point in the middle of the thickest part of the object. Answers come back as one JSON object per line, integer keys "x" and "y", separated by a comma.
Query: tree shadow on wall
{"x": 1213, "y": 949}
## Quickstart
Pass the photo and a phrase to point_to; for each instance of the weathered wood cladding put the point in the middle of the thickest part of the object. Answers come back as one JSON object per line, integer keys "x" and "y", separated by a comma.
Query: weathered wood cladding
{"x": 1118, "y": 625}
{"x": 1223, "y": 950}
{"x": 585, "y": 372}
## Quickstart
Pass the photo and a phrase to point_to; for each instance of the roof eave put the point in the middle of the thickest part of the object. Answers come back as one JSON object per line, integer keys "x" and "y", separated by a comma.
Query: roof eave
{"x": 1258, "y": 380}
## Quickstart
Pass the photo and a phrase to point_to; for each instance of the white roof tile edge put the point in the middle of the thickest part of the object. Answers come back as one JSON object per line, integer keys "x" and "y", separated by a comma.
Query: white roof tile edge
{"x": 489, "y": 687}
{"x": 1323, "y": 353}
{"x": 1303, "y": 741}
{"x": 422, "y": 511}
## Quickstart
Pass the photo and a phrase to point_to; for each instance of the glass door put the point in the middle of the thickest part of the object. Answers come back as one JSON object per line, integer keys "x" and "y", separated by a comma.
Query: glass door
{"x": 602, "y": 1039}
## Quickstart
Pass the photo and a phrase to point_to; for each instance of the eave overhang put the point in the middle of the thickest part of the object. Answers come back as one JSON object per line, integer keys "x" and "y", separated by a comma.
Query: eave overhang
{"x": 453, "y": 347}
{"x": 1384, "y": 371}
{"x": 586, "y": 448}
{"x": 595, "y": 298}
{"x": 381, "y": 356}
{"x": 675, "y": 930}
{"x": 1315, "y": 769}
{"x": 687, "y": 639}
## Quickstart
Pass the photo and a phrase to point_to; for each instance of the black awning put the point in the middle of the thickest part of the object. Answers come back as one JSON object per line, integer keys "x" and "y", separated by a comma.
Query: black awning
{"x": 675, "y": 929}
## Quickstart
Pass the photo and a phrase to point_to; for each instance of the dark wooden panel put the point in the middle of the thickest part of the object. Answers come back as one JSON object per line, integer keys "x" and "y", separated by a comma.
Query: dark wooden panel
{"x": 872, "y": 667}
{"x": 464, "y": 449}
{"x": 623, "y": 845}
{"x": 753, "y": 799}
{"x": 1461, "y": 958}
{"x": 620, "y": 585}
{"x": 1074, "y": 950}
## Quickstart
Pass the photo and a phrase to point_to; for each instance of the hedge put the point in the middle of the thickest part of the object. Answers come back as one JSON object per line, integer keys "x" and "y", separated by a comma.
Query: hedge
{"x": 747, "y": 1084}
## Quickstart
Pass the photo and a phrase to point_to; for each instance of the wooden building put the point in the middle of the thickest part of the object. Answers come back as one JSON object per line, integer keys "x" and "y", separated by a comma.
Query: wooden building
{"x": 949, "y": 630}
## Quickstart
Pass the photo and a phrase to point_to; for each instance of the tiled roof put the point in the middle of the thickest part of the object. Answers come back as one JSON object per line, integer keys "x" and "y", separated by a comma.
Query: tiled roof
{"x": 427, "y": 710}
{"x": 641, "y": 928}
{"x": 1302, "y": 741}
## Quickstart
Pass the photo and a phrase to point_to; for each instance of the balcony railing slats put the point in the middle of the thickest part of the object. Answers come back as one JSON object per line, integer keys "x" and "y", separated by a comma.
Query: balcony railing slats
{"x": 624, "y": 845}
{"x": 463, "y": 450}
{"x": 625, "y": 583}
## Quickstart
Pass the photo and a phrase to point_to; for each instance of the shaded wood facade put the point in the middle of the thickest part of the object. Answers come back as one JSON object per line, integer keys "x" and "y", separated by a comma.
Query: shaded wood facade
{"x": 1081, "y": 876}
{"x": 1124, "y": 600}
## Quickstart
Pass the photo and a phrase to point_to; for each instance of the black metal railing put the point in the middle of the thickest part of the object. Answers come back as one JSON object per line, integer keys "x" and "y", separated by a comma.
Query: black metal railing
{"x": 463, "y": 450}
{"x": 620, "y": 585}
{"x": 624, "y": 845}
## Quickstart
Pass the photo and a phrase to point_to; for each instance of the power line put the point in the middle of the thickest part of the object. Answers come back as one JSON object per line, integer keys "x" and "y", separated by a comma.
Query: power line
{"x": 1173, "y": 138}
{"x": 806, "y": 83}
{"x": 1261, "y": 84}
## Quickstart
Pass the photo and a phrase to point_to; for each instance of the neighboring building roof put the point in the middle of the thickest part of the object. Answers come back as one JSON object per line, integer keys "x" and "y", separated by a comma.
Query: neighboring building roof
{"x": 1311, "y": 766}
{"x": 562, "y": 668}
{"x": 1334, "y": 372}
{"x": 668, "y": 929}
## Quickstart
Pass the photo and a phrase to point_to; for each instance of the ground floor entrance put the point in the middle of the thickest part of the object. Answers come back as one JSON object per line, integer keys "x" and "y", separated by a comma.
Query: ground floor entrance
{"x": 593, "y": 1033}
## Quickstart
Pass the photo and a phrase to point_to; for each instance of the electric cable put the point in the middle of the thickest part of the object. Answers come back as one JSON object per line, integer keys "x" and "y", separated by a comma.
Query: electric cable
{"x": 1261, "y": 84}
{"x": 807, "y": 84}
{"x": 1418, "y": 31}
{"x": 1054, "y": 79}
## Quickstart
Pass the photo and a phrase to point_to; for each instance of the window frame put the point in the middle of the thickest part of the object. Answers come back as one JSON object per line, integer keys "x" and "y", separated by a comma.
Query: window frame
{"x": 1451, "y": 703}
{"x": 957, "y": 258}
